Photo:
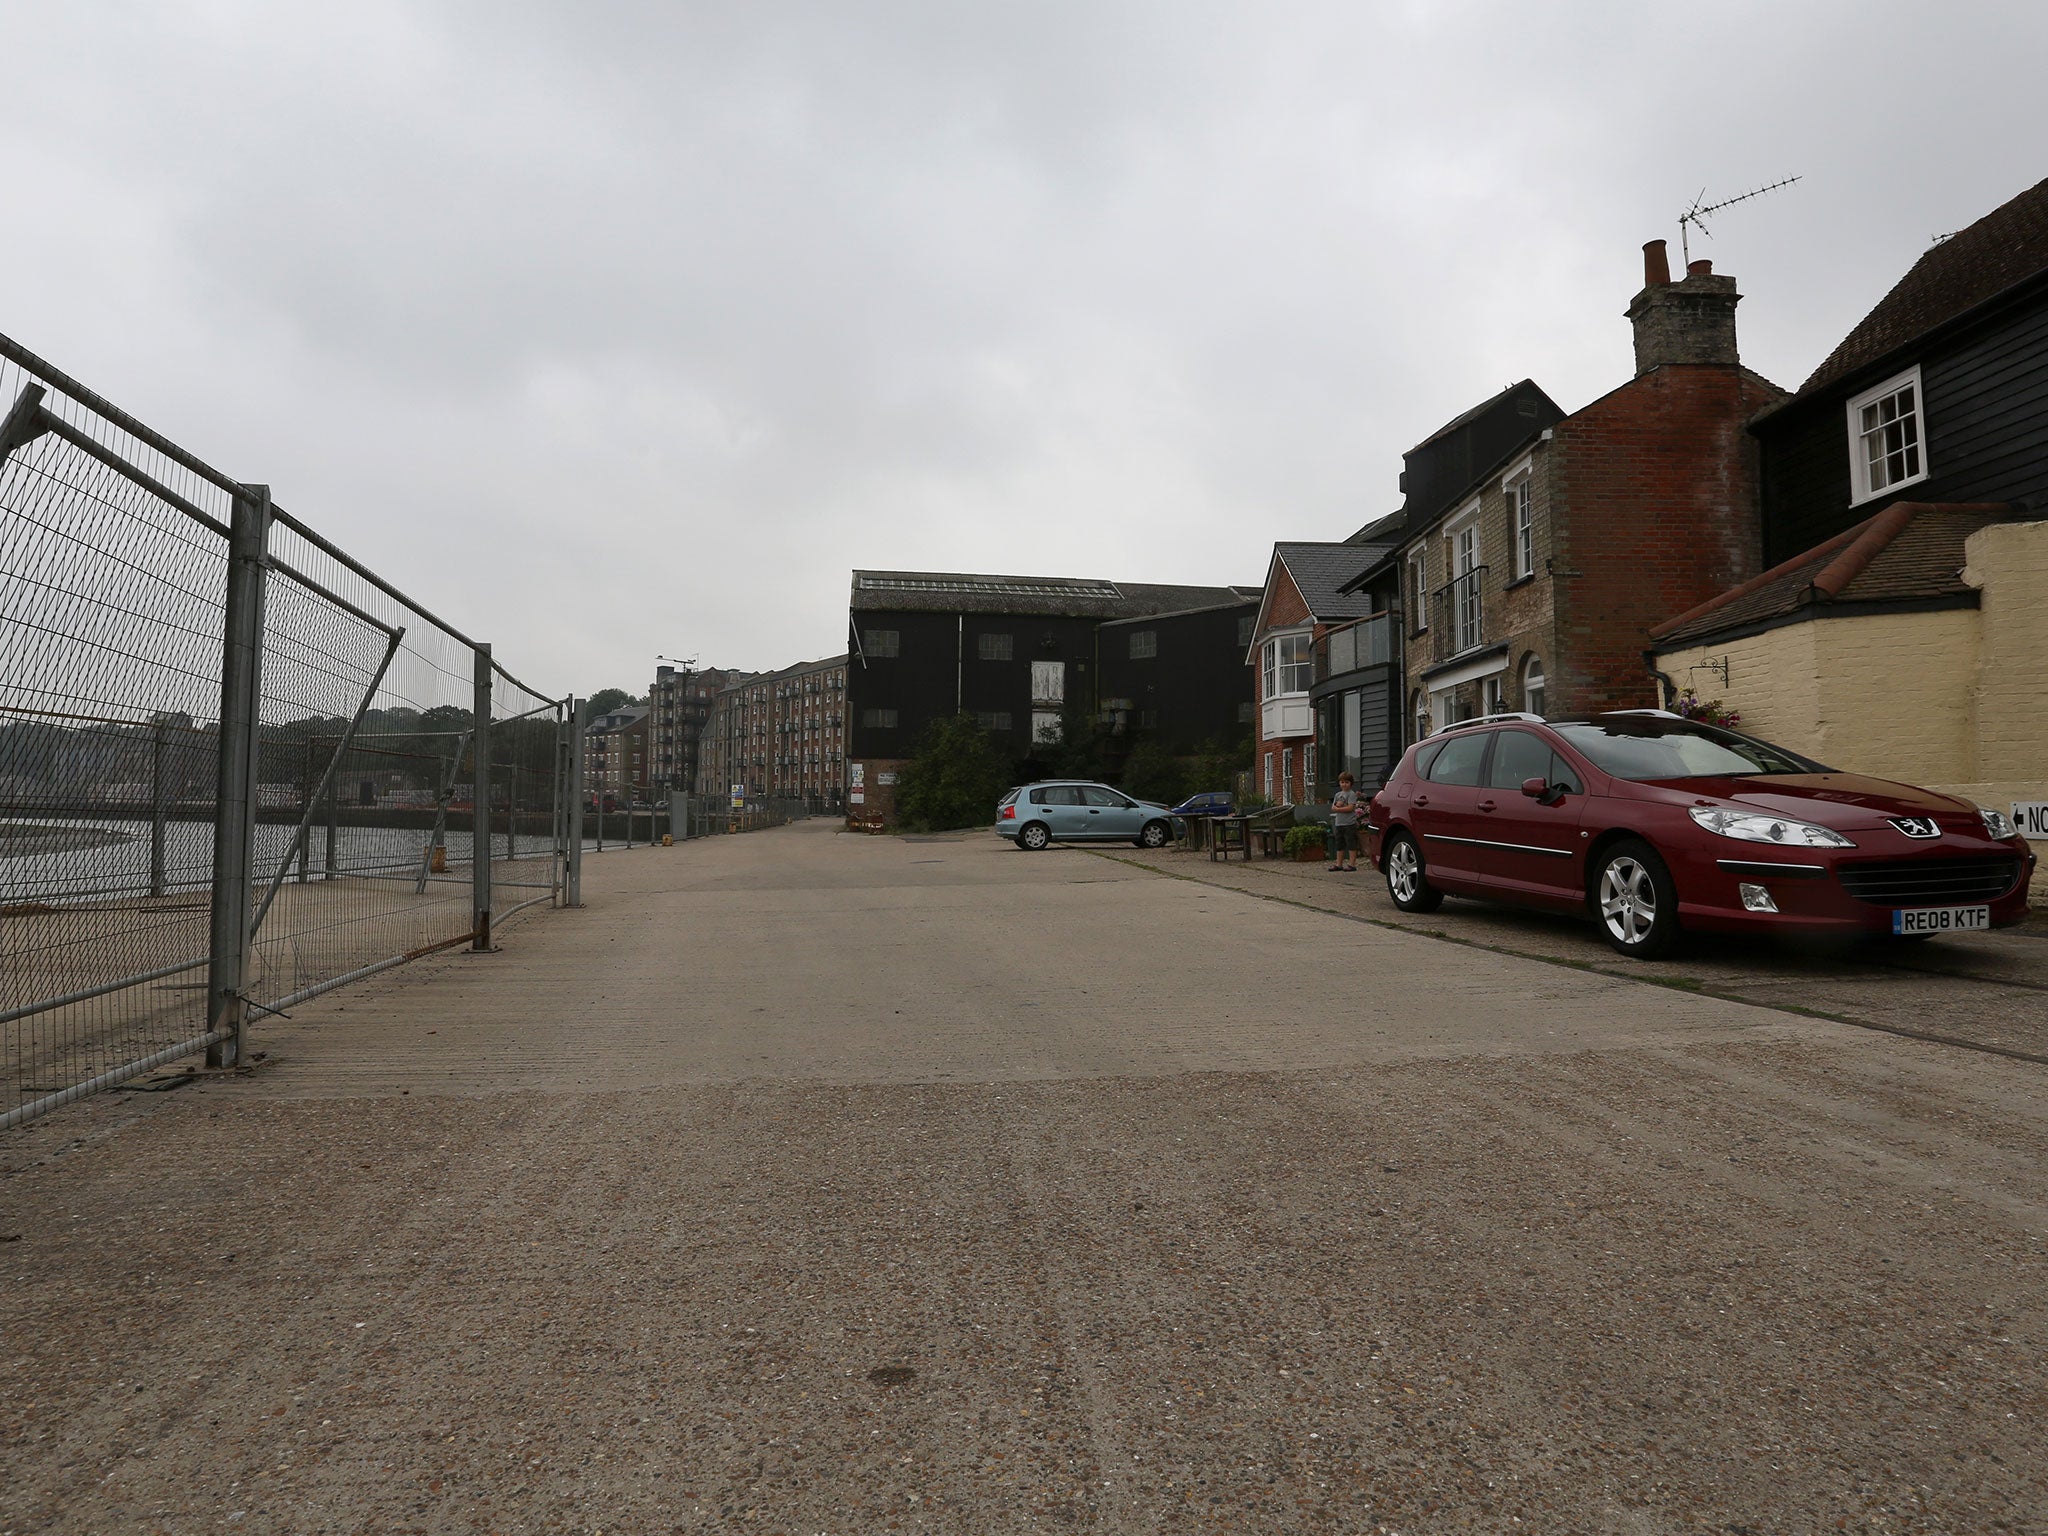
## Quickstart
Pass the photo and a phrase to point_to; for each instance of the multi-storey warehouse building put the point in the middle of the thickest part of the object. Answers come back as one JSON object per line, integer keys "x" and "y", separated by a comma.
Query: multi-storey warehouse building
{"x": 1019, "y": 652}
{"x": 779, "y": 735}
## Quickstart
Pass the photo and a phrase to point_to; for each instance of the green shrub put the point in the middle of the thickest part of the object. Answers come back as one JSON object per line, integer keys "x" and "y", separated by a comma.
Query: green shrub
{"x": 954, "y": 780}
{"x": 1302, "y": 838}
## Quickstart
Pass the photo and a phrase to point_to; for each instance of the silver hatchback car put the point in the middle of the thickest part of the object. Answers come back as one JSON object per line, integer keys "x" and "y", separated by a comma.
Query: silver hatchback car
{"x": 1081, "y": 811}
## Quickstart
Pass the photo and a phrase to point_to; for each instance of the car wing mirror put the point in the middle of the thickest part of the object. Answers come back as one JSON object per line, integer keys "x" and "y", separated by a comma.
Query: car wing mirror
{"x": 1539, "y": 788}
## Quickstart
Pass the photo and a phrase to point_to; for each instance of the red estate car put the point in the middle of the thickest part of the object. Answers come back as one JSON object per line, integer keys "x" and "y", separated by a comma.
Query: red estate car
{"x": 1650, "y": 823}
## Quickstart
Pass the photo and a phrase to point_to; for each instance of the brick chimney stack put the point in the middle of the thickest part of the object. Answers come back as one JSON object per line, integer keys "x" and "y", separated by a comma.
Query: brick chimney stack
{"x": 1689, "y": 321}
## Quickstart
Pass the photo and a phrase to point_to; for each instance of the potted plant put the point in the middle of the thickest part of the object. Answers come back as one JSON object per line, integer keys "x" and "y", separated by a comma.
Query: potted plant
{"x": 1304, "y": 843}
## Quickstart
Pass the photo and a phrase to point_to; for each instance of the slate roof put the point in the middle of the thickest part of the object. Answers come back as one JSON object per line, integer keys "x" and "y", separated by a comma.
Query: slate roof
{"x": 1473, "y": 414}
{"x": 623, "y": 718}
{"x": 1382, "y": 530}
{"x": 2006, "y": 247}
{"x": 1320, "y": 572}
{"x": 1911, "y": 551}
{"x": 1079, "y": 597}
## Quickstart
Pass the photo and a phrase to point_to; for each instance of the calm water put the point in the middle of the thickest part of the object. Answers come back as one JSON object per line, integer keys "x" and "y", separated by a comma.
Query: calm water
{"x": 121, "y": 867}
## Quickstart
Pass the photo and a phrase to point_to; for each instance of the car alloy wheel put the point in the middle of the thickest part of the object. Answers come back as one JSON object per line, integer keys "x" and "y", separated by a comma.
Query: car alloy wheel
{"x": 1155, "y": 835}
{"x": 1034, "y": 836}
{"x": 1407, "y": 883}
{"x": 1635, "y": 900}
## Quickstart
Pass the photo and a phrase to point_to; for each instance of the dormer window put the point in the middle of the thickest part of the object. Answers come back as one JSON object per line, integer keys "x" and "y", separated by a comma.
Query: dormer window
{"x": 1887, "y": 446}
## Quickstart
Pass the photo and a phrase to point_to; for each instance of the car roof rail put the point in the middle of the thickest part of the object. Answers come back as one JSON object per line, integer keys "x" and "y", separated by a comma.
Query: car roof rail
{"x": 1661, "y": 714}
{"x": 1494, "y": 719}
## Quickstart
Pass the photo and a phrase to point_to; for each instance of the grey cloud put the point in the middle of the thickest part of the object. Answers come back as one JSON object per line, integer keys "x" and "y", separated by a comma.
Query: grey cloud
{"x": 630, "y": 328}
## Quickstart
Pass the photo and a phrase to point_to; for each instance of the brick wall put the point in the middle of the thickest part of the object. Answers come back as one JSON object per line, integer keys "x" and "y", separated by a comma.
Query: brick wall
{"x": 1283, "y": 608}
{"x": 1654, "y": 509}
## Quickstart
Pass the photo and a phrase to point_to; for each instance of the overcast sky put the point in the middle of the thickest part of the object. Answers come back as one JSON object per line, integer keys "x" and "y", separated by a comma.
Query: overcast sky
{"x": 614, "y": 330}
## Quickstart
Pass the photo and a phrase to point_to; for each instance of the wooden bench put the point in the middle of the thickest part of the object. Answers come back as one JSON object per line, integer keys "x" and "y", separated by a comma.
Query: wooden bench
{"x": 1269, "y": 831}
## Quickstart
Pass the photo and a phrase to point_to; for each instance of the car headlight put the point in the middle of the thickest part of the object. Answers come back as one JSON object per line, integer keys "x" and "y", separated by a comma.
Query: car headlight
{"x": 1997, "y": 823}
{"x": 1748, "y": 827}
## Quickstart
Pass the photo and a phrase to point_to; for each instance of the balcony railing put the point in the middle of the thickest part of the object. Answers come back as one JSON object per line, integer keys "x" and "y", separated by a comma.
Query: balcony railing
{"x": 1367, "y": 642}
{"x": 1457, "y": 616}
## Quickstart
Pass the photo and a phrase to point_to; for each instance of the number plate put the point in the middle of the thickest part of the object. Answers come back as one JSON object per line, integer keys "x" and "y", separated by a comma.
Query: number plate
{"x": 1940, "y": 919}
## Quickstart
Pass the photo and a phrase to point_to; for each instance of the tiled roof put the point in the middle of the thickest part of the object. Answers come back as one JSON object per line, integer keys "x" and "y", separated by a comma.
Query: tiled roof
{"x": 1911, "y": 550}
{"x": 1052, "y": 596}
{"x": 1320, "y": 572}
{"x": 2005, "y": 247}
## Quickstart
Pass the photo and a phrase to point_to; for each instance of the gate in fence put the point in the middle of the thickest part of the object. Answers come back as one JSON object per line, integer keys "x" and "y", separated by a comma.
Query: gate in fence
{"x": 237, "y": 767}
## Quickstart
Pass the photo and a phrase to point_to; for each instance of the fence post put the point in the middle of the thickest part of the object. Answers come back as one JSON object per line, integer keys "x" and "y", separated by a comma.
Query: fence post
{"x": 558, "y": 785}
{"x": 480, "y": 803}
{"x": 304, "y": 840}
{"x": 157, "y": 808}
{"x": 579, "y": 716}
{"x": 234, "y": 825}
{"x": 333, "y": 828}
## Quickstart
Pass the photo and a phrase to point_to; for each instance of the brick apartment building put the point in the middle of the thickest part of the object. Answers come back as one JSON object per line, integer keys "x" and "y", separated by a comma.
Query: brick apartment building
{"x": 1535, "y": 584}
{"x": 679, "y": 707}
{"x": 781, "y": 735}
{"x": 615, "y": 755}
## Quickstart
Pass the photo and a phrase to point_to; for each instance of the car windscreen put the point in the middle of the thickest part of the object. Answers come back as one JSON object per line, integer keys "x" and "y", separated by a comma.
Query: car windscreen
{"x": 1648, "y": 748}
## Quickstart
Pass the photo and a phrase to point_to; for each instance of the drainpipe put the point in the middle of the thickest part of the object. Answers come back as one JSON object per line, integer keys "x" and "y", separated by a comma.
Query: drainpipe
{"x": 960, "y": 665}
{"x": 1670, "y": 689}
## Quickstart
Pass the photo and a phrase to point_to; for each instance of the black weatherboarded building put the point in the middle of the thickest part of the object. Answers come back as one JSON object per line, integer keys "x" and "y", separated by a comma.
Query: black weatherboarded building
{"x": 1019, "y": 652}
{"x": 1938, "y": 396}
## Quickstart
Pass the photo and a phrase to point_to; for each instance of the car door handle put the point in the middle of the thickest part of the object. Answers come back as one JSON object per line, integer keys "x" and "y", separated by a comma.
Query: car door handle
{"x": 1422, "y": 799}
{"x": 1486, "y": 805}
{"x": 1095, "y": 813}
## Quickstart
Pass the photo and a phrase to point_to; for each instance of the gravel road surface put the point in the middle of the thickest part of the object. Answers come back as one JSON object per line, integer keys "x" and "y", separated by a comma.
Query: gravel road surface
{"x": 807, "y": 1182}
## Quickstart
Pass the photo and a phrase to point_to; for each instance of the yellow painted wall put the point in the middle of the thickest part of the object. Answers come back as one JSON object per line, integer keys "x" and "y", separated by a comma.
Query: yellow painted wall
{"x": 1953, "y": 700}
{"x": 1885, "y": 694}
{"x": 2008, "y": 564}
{"x": 1895, "y": 694}
{"x": 1773, "y": 679}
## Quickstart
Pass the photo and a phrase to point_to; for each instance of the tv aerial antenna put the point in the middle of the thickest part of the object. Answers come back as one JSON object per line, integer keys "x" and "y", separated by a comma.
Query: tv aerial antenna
{"x": 1695, "y": 217}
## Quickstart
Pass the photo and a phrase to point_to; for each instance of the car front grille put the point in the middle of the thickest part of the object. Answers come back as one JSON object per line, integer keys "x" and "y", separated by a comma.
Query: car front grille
{"x": 1931, "y": 882}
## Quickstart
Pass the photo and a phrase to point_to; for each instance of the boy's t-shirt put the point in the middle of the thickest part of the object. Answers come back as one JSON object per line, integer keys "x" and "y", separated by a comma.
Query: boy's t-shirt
{"x": 1344, "y": 808}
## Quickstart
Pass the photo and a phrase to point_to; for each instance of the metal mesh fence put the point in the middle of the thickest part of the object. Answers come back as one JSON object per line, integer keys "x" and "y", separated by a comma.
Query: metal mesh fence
{"x": 169, "y": 858}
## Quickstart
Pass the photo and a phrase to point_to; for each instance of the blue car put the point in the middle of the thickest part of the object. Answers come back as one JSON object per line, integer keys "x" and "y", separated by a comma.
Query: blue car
{"x": 1033, "y": 816}
{"x": 1210, "y": 802}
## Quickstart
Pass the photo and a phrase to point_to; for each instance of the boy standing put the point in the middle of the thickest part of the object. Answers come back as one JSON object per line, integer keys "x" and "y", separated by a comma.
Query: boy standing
{"x": 1344, "y": 825}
